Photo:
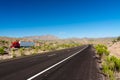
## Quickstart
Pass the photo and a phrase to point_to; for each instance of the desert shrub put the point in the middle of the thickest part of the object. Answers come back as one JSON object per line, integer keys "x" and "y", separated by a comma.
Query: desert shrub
{"x": 108, "y": 71}
{"x": 54, "y": 46}
{"x": 36, "y": 49}
{"x": 101, "y": 50}
{"x": 117, "y": 63}
{"x": 3, "y": 41}
{"x": 118, "y": 39}
{"x": 111, "y": 74}
{"x": 111, "y": 65}
{"x": 33, "y": 47}
{"x": 4, "y": 47}
{"x": 2, "y": 51}
{"x": 68, "y": 45}
{"x": 42, "y": 48}
{"x": 21, "y": 50}
{"x": 13, "y": 53}
{"x": 114, "y": 41}
{"x": 105, "y": 67}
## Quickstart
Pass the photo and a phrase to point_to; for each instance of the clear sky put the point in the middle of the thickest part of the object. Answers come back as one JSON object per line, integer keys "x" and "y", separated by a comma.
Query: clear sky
{"x": 62, "y": 18}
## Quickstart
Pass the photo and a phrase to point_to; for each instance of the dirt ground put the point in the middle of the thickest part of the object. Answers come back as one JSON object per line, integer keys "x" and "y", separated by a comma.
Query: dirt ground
{"x": 115, "y": 49}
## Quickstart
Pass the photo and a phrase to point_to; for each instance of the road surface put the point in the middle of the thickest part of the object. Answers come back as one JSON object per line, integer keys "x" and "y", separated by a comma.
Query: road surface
{"x": 69, "y": 64}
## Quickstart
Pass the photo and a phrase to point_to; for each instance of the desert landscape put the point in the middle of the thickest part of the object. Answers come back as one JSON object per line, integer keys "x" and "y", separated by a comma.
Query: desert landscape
{"x": 59, "y": 40}
{"x": 107, "y": 50}
{"x": 55, "y": 43}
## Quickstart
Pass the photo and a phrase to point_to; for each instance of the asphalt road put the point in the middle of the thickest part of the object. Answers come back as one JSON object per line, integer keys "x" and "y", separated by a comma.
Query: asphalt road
{"x": 68, "y": 64}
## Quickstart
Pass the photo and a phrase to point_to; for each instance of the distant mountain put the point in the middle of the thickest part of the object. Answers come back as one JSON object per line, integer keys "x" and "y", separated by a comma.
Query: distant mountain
{"x": 44, "y": 37}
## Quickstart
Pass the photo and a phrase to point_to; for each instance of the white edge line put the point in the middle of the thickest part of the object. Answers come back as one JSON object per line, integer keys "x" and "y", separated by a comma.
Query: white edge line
{"x": 56, "y": 64}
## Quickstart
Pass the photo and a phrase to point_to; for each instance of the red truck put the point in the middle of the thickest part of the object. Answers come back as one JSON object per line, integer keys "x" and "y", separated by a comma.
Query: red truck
{"x": 18, "y": 44}
{"x": 15, "y": 44}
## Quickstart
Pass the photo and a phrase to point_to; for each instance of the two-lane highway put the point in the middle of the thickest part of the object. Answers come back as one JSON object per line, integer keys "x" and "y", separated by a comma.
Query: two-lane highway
{"x": 68, "y": 64}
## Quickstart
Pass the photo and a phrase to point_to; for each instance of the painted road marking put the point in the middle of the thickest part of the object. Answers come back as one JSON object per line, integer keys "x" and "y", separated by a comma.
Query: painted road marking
{"x": 38, "y": 74}
{"x": 51, "y": 55}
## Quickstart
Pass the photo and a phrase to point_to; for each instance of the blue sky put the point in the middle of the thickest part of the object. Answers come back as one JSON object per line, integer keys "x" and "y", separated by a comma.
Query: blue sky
{"x": 62, "y": 18}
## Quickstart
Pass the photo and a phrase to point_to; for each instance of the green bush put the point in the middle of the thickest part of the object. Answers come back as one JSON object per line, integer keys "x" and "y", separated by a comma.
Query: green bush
{"x": 2, "y": 51}
{"x": 114, "y": 41}
{"x": 111, "y": 65}
{"x": 117, "y": 63}
{"x": 111, "y": 75}
{"x": 3, "y": 41}
{"x": 101, "y": 50}
{"x": 21, "y": 50}
{"x": 108, "y": 71}
{"x": 118, "y": 39}
{"x": 113, "y": 62}
{"x": 13, "y": 53}
{"x": 36, "y": 49}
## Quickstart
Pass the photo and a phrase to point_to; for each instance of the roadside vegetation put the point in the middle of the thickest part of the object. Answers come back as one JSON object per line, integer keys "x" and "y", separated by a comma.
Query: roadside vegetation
{"x": 13, "y": 53}
{"x": 21, "y": 51}
{"x": 102, "y": 50}
{"x": 2, "y": 51}
{"x": 3, "y": 42}
{"x": 110, "y": 64}
{"x": 116, "y": 40}
{"x": 53, "y": 46}
{"x": 45, "y": 46}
